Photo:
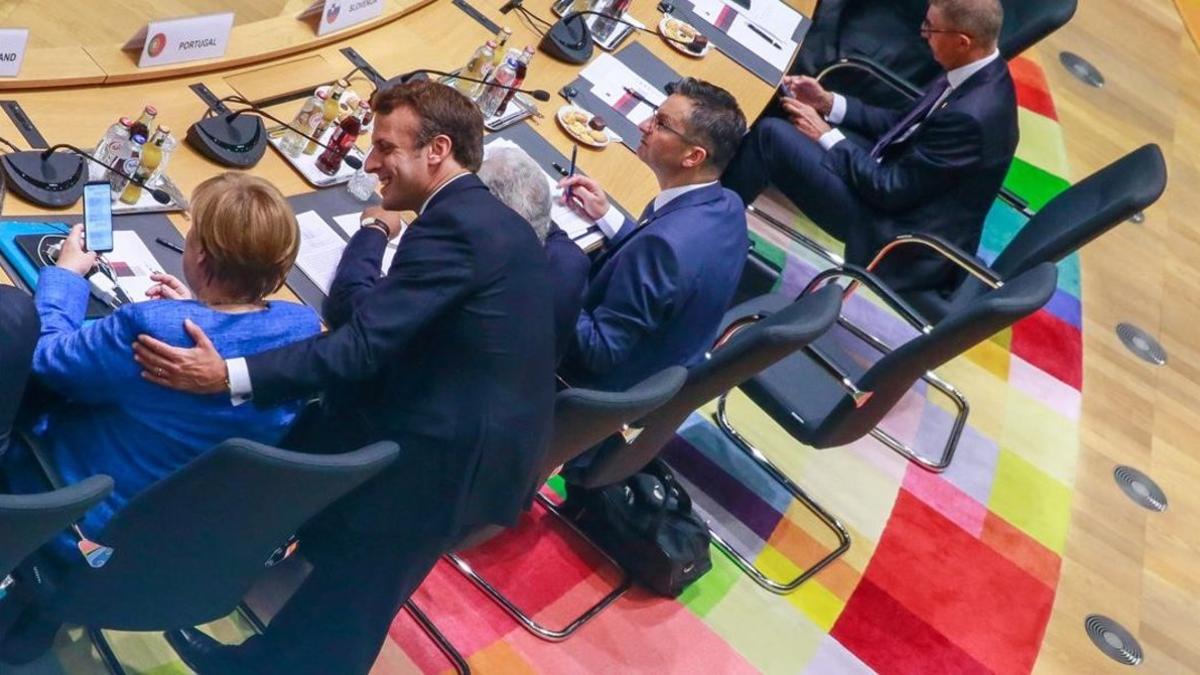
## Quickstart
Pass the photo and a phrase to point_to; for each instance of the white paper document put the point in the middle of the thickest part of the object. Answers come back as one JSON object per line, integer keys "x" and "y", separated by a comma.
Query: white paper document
{"x": 610, "y": 78}
{"x": 767, "y": 31}
{"x": 562, "y": 215}
{"x": 320, "y": 250}
{"x": 132, "y": 263}
{"x": 349, "y": 223}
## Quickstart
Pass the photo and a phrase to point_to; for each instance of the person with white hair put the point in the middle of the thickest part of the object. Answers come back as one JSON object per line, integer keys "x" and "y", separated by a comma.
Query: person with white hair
{"x": 515, "y": 179}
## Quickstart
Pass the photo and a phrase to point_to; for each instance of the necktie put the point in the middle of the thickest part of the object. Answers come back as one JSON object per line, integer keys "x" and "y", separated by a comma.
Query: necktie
{"x": 915, "y": 116}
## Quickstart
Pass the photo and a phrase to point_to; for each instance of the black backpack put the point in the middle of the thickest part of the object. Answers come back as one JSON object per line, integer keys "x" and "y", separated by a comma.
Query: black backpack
{"x": 647, "y": 525}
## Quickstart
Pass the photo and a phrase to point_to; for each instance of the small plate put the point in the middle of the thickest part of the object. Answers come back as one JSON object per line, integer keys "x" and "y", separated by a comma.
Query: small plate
{"x": 665, "y": 26}
{"x": 587, "y": 140}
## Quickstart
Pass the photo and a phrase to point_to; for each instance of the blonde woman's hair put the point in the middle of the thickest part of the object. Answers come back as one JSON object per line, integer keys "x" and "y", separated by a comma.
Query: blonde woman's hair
{"x": 247, "y": 232}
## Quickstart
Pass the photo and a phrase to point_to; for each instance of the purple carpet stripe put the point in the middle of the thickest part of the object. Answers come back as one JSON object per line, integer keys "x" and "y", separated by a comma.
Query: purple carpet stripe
{"x": 703, "y": 434}
{"x": 724, "y": 523}
{"x": 1066, "y": 307}
{"x": 717, "y": 485}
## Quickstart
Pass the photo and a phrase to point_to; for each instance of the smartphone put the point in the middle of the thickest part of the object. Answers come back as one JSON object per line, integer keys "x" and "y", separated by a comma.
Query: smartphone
{"x": 97, "y": 217}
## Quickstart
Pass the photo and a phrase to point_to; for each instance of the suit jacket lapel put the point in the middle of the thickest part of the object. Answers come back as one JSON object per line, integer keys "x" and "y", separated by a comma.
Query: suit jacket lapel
{"x": 649, "y": 215}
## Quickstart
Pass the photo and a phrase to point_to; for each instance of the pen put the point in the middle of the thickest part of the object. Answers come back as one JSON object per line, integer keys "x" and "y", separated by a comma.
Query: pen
{"x": 634, "y": 93}
{"x": 763, "y": 34}
{"x": 574, "y": 152}
{"x": 167, "y": 244}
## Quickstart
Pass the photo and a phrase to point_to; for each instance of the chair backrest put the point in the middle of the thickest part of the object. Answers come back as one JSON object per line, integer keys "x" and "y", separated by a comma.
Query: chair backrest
{"x": 1078, "y": 215}
{"x": 187, "y": 549}
{"x": 1026, "y": 22}
{"x": 585, "y": 417}
{"x": 747, "y": 353}
{"x": 889, "y": 378}
{"x": 28, "y": 521}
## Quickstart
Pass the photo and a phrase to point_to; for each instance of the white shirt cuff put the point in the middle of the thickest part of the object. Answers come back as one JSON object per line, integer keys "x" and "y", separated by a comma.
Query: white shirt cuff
{"x": 831, "y": 138}
{"x": 837, "y": 112}
{"x": 239, "y": 381}
{"x": 611, "y": 222}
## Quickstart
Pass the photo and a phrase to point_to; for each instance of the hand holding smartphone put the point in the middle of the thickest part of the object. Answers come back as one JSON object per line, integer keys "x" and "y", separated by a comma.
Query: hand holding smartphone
{"x": 97, "y": 217}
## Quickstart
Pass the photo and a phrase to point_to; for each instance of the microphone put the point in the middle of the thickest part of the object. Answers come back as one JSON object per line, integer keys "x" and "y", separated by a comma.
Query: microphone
{"x": 160, "y": 196}
{"x": 574, "y": 45}
{"x": 239, "y": 139}
{"x": 539, "y": 94}
{"x": 55, "y": 180}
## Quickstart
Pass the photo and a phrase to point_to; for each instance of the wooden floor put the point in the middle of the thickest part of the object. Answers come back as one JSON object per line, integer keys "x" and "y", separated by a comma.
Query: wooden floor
{"x": 1127, "y": 563}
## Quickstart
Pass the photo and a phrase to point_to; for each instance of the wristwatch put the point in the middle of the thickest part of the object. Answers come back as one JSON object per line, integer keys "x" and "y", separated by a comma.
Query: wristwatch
{"x": 372, "y": 221}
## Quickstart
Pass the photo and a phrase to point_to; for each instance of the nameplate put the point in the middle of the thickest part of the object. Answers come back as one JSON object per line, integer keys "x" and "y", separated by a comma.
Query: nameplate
{"x": 12, "y": 50}
{"x": 178, "y": 40}
{"x": 334, "y": 15}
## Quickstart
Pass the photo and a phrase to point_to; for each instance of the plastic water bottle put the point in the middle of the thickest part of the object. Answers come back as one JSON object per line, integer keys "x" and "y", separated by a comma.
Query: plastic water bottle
{"x": 506, "y": 74}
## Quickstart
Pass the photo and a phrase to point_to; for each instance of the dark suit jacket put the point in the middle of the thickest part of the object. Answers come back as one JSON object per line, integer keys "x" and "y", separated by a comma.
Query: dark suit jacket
{"x": 451, "y": 355}
{"x": 569, "y": 267}
{"x": 885, "y": 31}
{"x": 941, "y": 180}
{"x": 655, "y": 299}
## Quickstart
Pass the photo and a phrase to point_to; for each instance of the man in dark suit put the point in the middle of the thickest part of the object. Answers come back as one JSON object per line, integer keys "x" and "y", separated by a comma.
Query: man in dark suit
{"x": 934, "y": 168}
{"x": 450, "y": 355}
{"x": 19, "y": 327}
{"x": 656, "y": 296}
{"x": 512, "y": 175}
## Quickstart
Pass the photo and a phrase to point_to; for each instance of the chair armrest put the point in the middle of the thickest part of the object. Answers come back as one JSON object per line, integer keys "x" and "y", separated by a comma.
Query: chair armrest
{"x": 861, "y": 276}
{"x": 877, "y": 70}
{"x": 945, "y": 249}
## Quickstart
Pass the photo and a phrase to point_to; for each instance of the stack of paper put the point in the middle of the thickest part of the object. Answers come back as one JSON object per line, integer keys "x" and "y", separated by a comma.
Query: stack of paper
{"x": 766, "y": 29}
{"x": 611, "y": 80}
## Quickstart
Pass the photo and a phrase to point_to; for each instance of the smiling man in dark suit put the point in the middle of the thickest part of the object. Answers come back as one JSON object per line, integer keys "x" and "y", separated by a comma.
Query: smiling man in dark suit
{"x": 656, "y": 296}
{"x": 451, "y": 355}
{"x": 932, "y": 168}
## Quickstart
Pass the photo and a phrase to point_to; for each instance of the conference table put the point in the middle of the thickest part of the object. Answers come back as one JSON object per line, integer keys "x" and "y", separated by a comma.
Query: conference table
{"x": 73, "y": 95}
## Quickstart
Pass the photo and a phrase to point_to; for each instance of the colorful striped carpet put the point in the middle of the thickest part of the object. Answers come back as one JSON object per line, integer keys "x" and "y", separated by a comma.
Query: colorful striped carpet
{"x": 950, "y": 573}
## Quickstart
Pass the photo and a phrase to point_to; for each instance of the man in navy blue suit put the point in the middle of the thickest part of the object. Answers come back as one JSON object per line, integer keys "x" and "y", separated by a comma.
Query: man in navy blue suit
{"x": 656, "y": 296}
{"x": 934, "y": 168}
{"x": 451, "y": 355}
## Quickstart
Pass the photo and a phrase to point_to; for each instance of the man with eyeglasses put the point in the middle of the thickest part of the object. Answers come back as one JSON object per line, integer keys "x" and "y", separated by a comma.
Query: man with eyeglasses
{"x": 934, "y": 168}
{"x": 656, "y": 296}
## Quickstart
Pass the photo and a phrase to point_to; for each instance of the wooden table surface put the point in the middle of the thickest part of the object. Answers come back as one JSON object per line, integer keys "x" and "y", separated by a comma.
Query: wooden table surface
{"x": 436, "y": 35}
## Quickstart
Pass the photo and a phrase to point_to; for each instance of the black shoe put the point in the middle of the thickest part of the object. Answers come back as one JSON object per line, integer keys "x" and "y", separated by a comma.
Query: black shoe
{"x": 203, "y": 654}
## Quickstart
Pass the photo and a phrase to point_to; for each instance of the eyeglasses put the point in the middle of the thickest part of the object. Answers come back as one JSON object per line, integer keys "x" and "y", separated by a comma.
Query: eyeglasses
{"x": 659, "y": 121}
{"x": 927, "y": 29}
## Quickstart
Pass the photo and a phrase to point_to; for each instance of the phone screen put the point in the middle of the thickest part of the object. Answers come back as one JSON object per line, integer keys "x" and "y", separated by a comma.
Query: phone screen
{"x": 97, "y": 217}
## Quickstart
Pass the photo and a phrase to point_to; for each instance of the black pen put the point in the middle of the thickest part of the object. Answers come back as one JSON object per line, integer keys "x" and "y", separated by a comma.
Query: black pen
{"x": 574, "y": 152}
{"x": 167, "y": 244}
{"x": 763, "y": 34}
{"x": 634, "y": 93}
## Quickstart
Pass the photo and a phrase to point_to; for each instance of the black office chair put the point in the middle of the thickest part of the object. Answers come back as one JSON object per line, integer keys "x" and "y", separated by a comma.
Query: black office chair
{"x": 28, "y": 521}
{"x": 582, "y": 419}
{"x": 746, "y": 348}
{"x": 827, "y": 398}
{"x": 187, "y": 549}
{"x": 1064, "y": 225}
{"x": 1026, "y": 22}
